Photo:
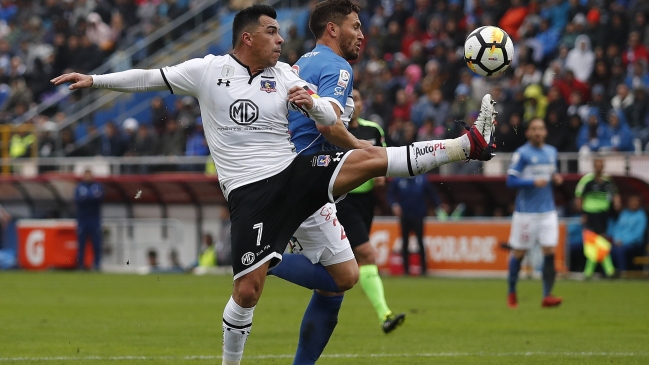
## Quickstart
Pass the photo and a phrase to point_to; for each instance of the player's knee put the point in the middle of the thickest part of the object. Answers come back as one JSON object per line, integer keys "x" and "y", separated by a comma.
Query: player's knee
{"x": 347, "y": 279}
{"x": 247, "y": 293}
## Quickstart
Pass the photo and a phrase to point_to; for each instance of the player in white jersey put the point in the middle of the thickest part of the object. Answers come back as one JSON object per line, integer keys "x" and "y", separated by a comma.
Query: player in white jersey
{"x": 271, "y": 190}
{"x": 532, "y": 172}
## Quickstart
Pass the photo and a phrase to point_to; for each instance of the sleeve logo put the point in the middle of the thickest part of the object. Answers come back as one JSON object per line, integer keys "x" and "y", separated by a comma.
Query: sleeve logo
{"x": 343, "y": 79}
{"x": 296, "y": 69}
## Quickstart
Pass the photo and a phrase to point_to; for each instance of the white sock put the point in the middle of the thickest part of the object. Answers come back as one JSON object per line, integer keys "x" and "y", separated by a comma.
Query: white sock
{"x": 237, "y": 323}
{"x": 421, "y": 157}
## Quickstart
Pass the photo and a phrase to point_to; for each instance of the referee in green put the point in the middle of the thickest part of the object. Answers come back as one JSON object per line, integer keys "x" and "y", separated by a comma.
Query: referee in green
{"x": 594, "y": 195}
{"x": 356, "y": 213}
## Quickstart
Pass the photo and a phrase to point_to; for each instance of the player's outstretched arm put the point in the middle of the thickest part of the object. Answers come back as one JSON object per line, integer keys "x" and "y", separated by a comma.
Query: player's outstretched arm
{"x": 126, "y": 81}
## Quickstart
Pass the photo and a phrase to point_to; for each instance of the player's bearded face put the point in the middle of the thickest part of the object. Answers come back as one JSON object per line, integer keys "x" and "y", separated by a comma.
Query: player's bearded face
{"x": 351, "y": 37}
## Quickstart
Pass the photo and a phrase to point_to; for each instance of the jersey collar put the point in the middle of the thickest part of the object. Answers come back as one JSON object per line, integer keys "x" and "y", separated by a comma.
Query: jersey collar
{"x": 252, "y": 76}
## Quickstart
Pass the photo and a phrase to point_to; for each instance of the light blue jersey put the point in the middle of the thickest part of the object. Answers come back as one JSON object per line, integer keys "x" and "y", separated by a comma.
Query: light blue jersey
{"x": 530, "y": 163}
{"x": 331, "y": 77}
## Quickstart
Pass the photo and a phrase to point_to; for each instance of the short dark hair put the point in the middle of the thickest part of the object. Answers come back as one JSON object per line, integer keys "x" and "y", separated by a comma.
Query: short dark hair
{"x": 248, "y": 16}
{"x": 330, "y": 11}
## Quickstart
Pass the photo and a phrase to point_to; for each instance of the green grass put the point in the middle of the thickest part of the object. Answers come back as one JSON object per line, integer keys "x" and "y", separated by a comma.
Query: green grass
{"x": 82, "y": 318}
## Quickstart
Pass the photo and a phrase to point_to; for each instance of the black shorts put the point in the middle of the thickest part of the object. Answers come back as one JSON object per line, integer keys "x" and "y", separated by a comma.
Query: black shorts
{"x": 356, "y": 213}
{"x": 597, "y": 222}
{"x": 266, "y": 213}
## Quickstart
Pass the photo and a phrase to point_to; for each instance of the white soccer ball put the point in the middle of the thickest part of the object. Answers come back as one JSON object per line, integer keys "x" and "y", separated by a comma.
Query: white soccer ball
{"x": 488, "y": 51}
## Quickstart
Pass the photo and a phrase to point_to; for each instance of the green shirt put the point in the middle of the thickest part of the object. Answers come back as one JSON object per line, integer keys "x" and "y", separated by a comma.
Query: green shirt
{"x": 596, "y": 196}
{"x": 372, "y": 132}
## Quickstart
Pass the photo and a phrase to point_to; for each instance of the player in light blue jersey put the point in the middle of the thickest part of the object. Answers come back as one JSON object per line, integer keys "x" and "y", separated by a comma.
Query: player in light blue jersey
{"x": 330, "y": 76}
{"x": 532, "y": 172}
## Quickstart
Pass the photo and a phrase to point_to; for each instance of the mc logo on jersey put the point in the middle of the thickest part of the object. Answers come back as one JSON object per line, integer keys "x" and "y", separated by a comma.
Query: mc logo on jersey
{"x": 244, "y": 112}
{"x": 268, "y": 86}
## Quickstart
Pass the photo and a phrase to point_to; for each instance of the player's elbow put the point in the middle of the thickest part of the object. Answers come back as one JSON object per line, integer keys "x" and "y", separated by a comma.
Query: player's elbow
{"x": 325, "y": 130}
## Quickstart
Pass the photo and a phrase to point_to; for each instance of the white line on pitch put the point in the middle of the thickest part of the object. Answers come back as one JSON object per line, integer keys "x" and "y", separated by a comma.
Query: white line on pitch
{"x": 284, "y": 356}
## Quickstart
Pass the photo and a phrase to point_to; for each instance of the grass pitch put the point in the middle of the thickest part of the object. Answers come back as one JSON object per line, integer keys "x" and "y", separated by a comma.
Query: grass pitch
{"x": 81, "y": 318}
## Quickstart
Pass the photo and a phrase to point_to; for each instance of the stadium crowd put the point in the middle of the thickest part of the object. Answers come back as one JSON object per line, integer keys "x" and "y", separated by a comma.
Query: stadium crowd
{"x": 579, "y": 65}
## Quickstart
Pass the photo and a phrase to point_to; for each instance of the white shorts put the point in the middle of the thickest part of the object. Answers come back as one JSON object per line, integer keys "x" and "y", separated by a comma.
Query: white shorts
{"x": 321, "y": 238}
{"x": 529, "y": 228}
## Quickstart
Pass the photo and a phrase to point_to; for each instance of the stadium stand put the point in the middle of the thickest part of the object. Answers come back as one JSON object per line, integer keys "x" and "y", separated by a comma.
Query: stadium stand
{"x": 573, "y": 58}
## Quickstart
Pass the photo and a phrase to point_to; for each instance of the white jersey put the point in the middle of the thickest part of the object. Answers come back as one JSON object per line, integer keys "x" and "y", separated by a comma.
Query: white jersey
{"x": 244, "y": 115}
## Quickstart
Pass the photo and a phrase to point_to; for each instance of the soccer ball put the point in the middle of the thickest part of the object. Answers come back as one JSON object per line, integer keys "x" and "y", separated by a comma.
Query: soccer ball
{"x": 488, "y": 51}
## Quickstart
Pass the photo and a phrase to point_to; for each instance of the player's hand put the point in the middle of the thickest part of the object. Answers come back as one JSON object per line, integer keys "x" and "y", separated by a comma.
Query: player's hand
{"x": 540, "y": 183}
{"x": 79, "y": 81}
{"x": 300, "y": 97}
{"x": 557, "y": 179}
{"x": 396, "y": 210}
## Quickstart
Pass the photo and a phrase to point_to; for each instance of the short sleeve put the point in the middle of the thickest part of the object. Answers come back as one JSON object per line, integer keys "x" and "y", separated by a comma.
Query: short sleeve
{"x": 516, "y": 165}
{"x": 185, "y": 78}
{"x": 335, "y": 84}
{"x": 290, "y": 77}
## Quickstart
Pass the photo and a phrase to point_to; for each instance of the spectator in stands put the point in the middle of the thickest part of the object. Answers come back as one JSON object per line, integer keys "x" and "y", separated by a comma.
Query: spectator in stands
{"x": 145, "y": 143}
{"x": 601, "y": 76}
{"x": 159, "y": 115}
{"x": 393, "y": 39}
{"x": 196, "y": 144}
{"x": 379, "y": 106}
{"x": 513, "y": 18}
{"x": 129, "y": 128}
{"x": 510, "y": 134}
{"x": 430, "y": 106}
{"x": 594, "y": 135}
{"x": 112, "y": 143}
{"x": 401, "y": 109}
{"x": 99, "y": 33}
{"x": 620, "y": 138}
{"x": 207, "y": 257}
{"x": 174, "y": 262}
{"x": 599, "y": 101}
{"x": 90, "y": 55}
{"x": 638, "y": 77}
{"x": 463, "y": 104}
{"x": 186, "y": 111}
{"x": 20, "y": 94}
{"x": 581, "y": 60}
{"x": 618, "y": 31}
{"x": 410, "y": 199}
{"x": 623, "y": 98}
{"x": 568, "y": 83}
{"x": 536, "y": 103}
{"x": 88, "y": 197}
{"x": 172, "y": 142}
{"x": 530, "y": 75}
{"x": 21, "y": 143}
{"x": 635, "y": 51}
{"x": 293, "y": 42}
{"x": 629, "y": 233}
{"x": 638, "y": 114}
{"x": 557, "y": 131}
{"x": 152, "y": 262}
{"x": 577, "y": 106}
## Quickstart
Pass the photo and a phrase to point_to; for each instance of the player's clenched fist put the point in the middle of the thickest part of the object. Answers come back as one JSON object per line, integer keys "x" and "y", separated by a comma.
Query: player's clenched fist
{"x": 79, "y": 81}
{"x": 300, "y": 97}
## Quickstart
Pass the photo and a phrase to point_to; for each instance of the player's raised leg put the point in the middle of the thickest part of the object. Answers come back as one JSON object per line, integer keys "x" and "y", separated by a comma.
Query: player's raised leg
{"x": 419, "y": 157}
